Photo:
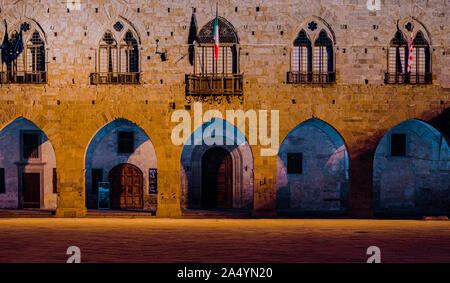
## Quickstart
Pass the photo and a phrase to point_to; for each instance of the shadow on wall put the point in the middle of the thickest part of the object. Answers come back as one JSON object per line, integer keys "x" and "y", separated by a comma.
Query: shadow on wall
{"x": 120, "y": 142}
{"x": 217, "y": 133}
{"x": 27, "y": 167}
{"x": 411, "y": 171}
{"x": 312, "y": 171}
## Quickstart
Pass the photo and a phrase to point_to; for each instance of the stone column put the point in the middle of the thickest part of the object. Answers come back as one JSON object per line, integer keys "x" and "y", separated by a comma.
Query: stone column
{"x": 265, "y": 170}
{"x": 361, "y": 175}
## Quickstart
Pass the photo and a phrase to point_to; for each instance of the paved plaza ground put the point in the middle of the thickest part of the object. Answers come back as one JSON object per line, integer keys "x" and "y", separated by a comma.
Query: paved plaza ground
{"x": 222, "y": 240}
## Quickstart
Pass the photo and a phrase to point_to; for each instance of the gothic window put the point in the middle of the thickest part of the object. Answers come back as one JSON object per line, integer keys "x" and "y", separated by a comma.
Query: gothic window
{"x": 118, "y": 60}
{"x": 312, "y": 63}
{"x": 398, "y": 54}
{"x": 397, "y": 58}
{"x": 227, "y": 62}
{"x": 213, "y": 76}
{"x": 30, "y": 65}
{"x": 129, "y": 54}
{"x": 108, "y": 54}
{"x": 420, "y": 66}
{"x": 323, "y": 54}
{"x": 301, "y": 54}
{"x": 35, "y": 54}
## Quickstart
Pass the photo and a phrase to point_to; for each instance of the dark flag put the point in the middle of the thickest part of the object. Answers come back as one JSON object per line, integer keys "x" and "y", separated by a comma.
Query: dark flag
{"x": 398, "y": 59}
{"x": 192, "y": 38}
{"x": 11, "y": 49}
{"x": 5, "y": 46}
{"x": 17, "y": 45}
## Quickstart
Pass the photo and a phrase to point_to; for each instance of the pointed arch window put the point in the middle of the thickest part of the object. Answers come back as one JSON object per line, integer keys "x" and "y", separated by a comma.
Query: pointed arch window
{"x": 398, "y": 54}
{"x": 312, "y": 63}
{"x": 117, "y": 63}
{"x": 213, "y": 76}
{"x": 129, "y": 54}
{"x": 30, "y": 65}
{"x": 301, "y": 58}
{"x": 421, "y": 64}
{"x": 397, "y": 59}
{"x": 108, "y": 54}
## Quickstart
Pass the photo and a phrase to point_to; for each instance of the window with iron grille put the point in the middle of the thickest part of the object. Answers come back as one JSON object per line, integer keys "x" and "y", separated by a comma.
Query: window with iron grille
{"x": 301, "y": 54}
{"x": 398, "y": 54}
{"x": 207, "y": 64}
{"x": 97, "y": 177}
{"x": 295, "y": 163}
{"x": 420, "y": 66}
{"x": 2, "y": 181}
{"x": 323, "y": 54}
{"x": 129, "y": 54}
{"x": 125, "y": 142}
{"x": 312, "y": 62}
{"x": 108, "y": 62}
{"x": 398, "y": 144}
{"x": 30, "y": 65}
{"x": 228, "y": 59}
{"x": 30, "y": 143}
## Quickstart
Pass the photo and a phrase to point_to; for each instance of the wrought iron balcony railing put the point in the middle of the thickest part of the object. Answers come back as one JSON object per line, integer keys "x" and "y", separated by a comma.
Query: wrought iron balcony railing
{"x": 214, "y": 84}
{"x": 115, "y": 78}
{"x": 407, "y": 78}
{"x": 36, "y": 77}
{"x": 310, "y": 77}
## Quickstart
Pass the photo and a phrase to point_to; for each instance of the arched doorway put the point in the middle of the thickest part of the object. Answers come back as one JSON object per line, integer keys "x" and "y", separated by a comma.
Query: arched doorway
{"x": 233, "y": 144}
{"x": 217, "y": 176}
{"x": 126, "y": 187}
{"x": 120, "y": 142}
{"x": 27, "y": 167}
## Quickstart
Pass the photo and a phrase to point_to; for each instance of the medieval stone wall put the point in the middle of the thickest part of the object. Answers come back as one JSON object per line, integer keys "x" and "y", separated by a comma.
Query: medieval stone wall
{"x": 358, "y": 106}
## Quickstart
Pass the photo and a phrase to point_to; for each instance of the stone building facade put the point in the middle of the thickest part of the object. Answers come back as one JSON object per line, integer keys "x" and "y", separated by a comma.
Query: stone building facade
{"x": 353, "y": 140}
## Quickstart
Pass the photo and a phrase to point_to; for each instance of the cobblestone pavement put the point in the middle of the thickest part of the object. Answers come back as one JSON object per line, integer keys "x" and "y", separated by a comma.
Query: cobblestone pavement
{"x": 224, "y": 240}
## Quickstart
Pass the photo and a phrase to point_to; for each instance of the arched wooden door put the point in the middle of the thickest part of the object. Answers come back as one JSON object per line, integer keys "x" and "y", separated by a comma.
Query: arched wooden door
{"x": 217, "y": 173}
{"x": 126, "y": 187}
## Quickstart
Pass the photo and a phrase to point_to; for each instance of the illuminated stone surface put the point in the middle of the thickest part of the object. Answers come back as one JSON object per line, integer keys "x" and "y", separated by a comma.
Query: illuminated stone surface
{"x": 211, "y": 240}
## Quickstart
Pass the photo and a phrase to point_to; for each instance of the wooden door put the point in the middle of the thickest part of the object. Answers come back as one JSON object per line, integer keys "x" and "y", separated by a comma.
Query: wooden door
{"x": 217, "y": 179}
{"x": 126, "y": 187}
{"x": 31, "y": 190}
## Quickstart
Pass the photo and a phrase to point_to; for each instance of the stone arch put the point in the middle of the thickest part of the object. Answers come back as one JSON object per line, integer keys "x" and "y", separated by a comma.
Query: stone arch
{"x": 227, "y": 32}
{"x": 18, "y": 162}
{"x": 314, "y": 33}
{"x": 235, "y": 143}
{"x": 118, "y": 35}
{"x": 321, "y": 186}
{"x": 103, "y": 154}
{"x": 416, "y": 182}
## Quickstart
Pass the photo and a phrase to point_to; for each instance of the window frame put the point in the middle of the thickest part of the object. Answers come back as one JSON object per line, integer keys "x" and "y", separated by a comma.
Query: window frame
{"x": 289, "y": 160}
{"x": 406, "y": 135}
{"x": 22, "y": 145}
{"x": 119, "y": 132}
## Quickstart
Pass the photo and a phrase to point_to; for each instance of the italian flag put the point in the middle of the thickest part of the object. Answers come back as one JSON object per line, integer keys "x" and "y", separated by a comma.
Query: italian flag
{"x": 216, "y": 36}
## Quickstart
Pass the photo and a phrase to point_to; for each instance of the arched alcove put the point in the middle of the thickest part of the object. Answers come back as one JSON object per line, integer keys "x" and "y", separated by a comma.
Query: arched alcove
{"x": 312, "y": 171}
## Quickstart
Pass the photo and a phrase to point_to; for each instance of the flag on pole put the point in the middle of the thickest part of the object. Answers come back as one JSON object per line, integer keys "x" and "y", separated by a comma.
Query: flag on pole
{"x": 411, "y": 49}
{"x": 216, "y": 35}
{"x": 5, "y": 46}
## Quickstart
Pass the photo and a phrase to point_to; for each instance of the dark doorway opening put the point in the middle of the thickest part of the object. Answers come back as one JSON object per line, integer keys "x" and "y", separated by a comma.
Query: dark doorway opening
{"x": 31, "y": 190}
{"x": 126, "y": 187}
{"x": 217, "y": 189}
